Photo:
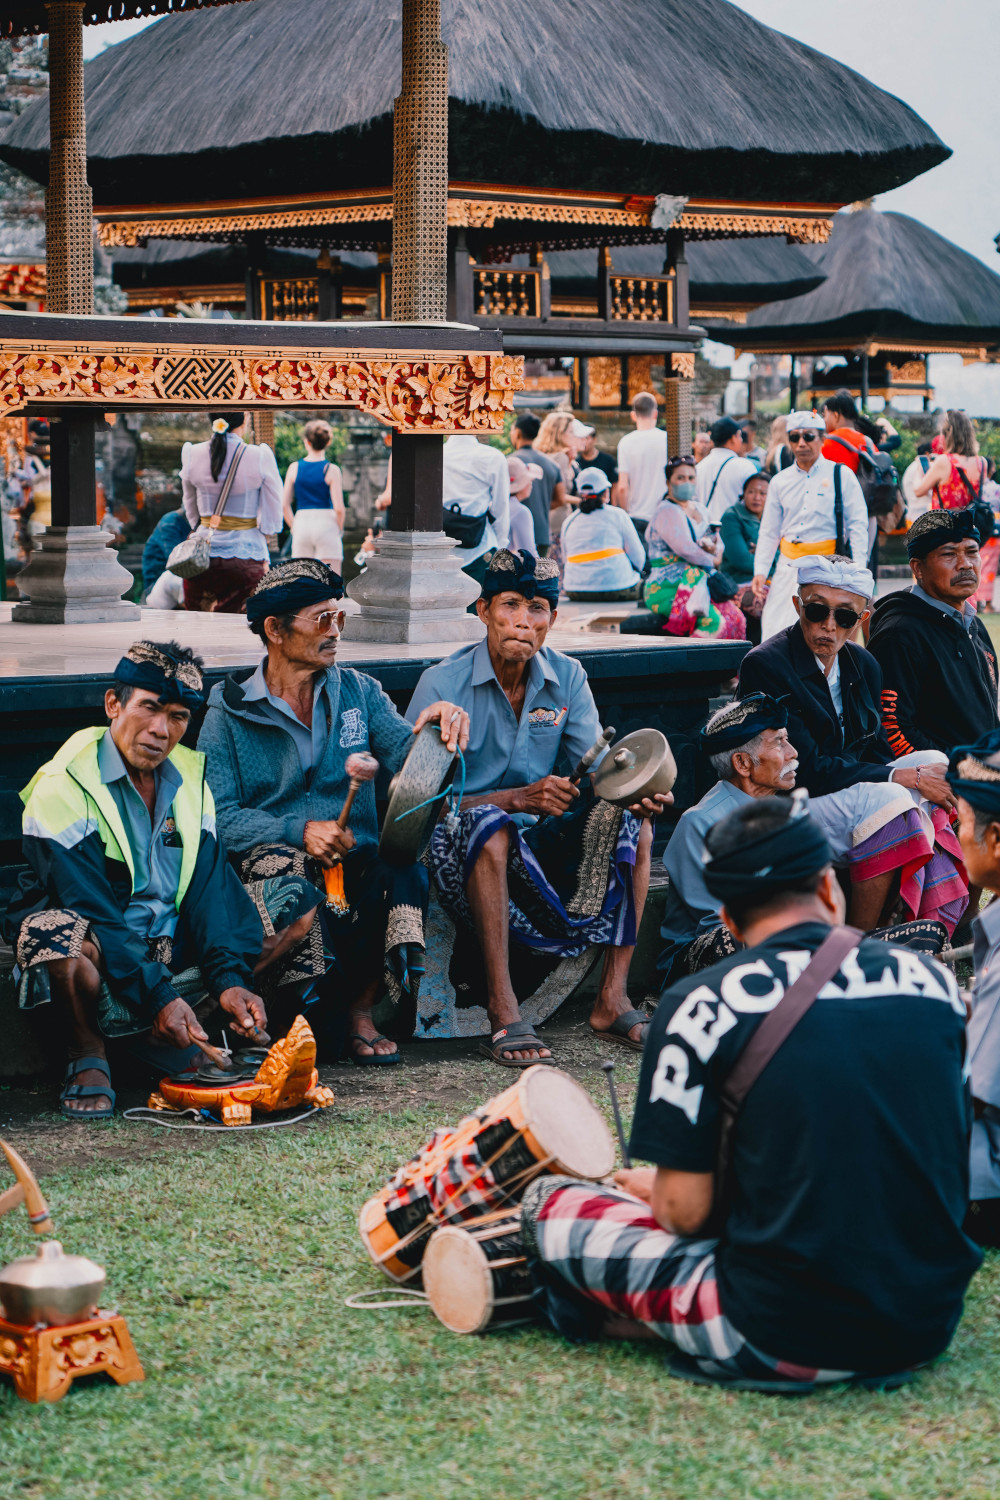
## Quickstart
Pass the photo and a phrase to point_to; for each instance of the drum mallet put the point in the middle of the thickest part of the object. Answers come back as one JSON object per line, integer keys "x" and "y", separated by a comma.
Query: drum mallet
{"x": 589, "y": 756}
{"x": 608, "y": 1069}
{"x": 360, "y": 767}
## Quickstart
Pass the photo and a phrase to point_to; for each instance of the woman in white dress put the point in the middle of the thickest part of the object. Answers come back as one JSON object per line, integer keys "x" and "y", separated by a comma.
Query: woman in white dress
{"x": 252, "y": 513}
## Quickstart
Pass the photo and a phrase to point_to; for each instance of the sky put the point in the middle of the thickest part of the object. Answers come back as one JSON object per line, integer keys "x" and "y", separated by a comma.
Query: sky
{"x": 942, "y": 60}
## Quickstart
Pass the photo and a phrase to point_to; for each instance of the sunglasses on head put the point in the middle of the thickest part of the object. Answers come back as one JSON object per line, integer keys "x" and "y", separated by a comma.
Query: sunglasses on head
{"x": 809, "y": 436}
{"x": 816, "y": 613}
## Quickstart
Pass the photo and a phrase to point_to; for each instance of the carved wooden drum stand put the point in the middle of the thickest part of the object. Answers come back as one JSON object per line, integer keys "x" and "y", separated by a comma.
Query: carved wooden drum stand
{"x": 51, "y": 1331}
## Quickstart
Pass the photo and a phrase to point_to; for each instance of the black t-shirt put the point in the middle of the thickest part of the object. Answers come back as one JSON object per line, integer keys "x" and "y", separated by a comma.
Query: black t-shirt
{"x": 843, "y": 1246}
{"x": 604, "y": 462}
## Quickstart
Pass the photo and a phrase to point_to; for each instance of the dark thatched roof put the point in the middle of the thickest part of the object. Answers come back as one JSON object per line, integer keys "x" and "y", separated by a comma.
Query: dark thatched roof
{"x": 721, "y": 272}
{"x": 29, "y": 17}
{"x": 887, "y": 276}
{"x": 638, "y": 96}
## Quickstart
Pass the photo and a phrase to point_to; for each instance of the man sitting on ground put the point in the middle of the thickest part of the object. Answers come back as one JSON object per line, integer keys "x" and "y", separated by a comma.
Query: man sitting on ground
{"x": 939, "y": 668}
{"x": 277, "y": 739}
{"x": 571, "y": 872}
{"x": 129, "y": 911}
{"x": 832, "y": 689}
{"x": 839, "y": 1247}
{"x": 873, "y": 828}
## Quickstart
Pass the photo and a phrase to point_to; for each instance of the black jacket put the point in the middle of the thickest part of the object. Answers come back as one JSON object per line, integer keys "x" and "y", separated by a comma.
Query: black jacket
{"x": 829, "y": 758}
{"x": 939, "y": 684}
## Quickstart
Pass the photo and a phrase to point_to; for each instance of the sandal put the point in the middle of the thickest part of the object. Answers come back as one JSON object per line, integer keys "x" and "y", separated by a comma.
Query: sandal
{"x": 71, "y": 1090}
{"x": 377, "y": 1059}
{"x": 516, "y": 1036}
{"x": 620, "y": 1027}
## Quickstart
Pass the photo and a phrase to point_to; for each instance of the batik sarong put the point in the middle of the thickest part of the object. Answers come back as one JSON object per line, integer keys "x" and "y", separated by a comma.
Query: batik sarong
{"x": 569, "y": 882}
{"x": 382, "y": 928}
{"x": 596, "y": 1252}
{"x": 225, "y": 587}
{"x": 678, "y": 591}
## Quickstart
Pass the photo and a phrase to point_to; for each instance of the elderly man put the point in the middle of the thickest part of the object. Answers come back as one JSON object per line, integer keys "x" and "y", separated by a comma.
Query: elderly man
{"x": 974, "y": 777}
{"x": 814, "y": 508}
{"x": 277, "y": 739}
{"x": 830, "y": 1243}
{"x": 939, "y": 668}
{"x": 534, "y": 867}
{"x": 129, "y": 910}
{"x": 748, "y": 748}
{"x": 832, "y": 689}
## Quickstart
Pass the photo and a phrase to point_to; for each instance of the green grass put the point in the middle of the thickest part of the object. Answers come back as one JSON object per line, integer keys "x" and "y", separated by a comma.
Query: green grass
{"x": 232, "y": 1261}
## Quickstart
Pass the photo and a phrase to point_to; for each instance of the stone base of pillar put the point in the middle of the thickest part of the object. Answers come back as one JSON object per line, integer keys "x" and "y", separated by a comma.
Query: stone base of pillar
{"x": 73, "y": 577}
{"x": 412, "y": 591}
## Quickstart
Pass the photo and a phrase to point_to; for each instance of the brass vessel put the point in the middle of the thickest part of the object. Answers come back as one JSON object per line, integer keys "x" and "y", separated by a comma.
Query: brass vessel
{"x": 50, "y": 1287}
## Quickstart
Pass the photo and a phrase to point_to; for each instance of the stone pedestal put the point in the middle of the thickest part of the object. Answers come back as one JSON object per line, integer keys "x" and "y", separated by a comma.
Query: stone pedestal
{"x": 73, "y": 577}
{"x": 412, "y": 591}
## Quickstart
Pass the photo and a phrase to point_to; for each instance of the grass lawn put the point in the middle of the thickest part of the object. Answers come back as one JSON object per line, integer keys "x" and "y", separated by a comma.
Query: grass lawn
{"x": 231, "y": 1259}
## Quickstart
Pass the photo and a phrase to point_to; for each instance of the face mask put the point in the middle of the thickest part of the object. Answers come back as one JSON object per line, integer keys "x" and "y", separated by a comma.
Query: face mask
{"x": 684, "y": 491}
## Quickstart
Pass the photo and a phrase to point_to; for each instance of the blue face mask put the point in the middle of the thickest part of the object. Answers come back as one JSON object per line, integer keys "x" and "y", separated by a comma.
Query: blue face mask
{"x": 684, "y": 491}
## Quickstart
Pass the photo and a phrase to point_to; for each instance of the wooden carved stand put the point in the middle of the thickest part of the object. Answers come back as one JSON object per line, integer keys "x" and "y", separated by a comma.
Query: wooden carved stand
{"x": 45, "y": 1361}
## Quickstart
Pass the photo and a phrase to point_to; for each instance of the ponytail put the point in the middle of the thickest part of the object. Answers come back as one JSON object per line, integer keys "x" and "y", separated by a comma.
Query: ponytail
{"x": 218, "y": 447}
{"x": 592, "y": 502}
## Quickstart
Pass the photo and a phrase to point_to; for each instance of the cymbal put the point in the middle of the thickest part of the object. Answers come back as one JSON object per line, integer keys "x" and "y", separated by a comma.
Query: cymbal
{"x": 639, "y": 765}
{"x": 427, "y": 770}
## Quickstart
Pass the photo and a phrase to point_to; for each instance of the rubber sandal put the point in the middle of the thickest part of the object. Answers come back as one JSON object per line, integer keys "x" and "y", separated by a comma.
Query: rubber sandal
{"x": 620, "y": 1027}
{"x": 73, "y": 1090}
{"x": 377, "y": 1059}
{"x": 517, "y": 1036}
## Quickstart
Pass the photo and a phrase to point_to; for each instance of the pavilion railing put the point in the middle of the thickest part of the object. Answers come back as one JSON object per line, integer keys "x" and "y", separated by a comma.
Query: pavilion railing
{"x": 290, "y": 299}
{"x": 639, "y": 299}
{"x": 506, "y": 293}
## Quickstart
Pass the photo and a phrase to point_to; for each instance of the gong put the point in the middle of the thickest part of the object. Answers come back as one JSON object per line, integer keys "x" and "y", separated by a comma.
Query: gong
{"x": 639, "y": 765}
{"x": 426, "y": 772}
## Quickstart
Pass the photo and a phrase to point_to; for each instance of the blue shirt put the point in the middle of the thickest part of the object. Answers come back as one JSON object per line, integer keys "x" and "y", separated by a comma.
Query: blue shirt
{"x": 309, "y": 740}
{"x": 690, "y": 910}
{"x": 154, "y": 843}
{"x": 964, "y": 616}
{"x": 559, "y": 717}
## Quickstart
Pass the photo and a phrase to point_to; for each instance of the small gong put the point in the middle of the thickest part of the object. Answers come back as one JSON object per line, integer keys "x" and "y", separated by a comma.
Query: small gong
{"x": 640, "y": 765}
{"x": 427, "y": 770}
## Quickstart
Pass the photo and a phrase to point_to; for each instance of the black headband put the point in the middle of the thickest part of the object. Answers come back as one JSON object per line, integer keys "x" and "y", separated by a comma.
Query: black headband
{"x": 741, "y": 722}
{"x": 145, "y": 665}
{"x": 769, "y": 864}
{"x": 971, "y": 776}
{"x": 294, "y": 585}
{"x": 938, "y": 527}
{"x": 521, "y": 573}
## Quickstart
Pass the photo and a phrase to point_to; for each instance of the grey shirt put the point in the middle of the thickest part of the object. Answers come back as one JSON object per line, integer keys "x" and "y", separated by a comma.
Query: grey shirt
{"x": 539, "y": 501}
{"x": 984, "y": 1054}
{"x": 309, "y": 740}
{"x": 690, "y": 909}
{"x": 154, "y": 843}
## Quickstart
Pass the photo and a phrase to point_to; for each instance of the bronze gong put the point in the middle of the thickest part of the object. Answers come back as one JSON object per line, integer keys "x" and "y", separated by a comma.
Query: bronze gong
{"x": 639, "y": 765}
{"x": 427, "y": 771}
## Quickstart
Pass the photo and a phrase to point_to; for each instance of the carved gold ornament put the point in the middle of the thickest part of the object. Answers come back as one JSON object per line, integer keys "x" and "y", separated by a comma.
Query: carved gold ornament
{"x": 682, "y": 364}
{"x": 453, "y": 393}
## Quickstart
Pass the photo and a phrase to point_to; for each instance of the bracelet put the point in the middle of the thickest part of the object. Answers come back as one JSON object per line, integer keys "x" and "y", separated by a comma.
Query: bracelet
{"x": 919, "y": 769}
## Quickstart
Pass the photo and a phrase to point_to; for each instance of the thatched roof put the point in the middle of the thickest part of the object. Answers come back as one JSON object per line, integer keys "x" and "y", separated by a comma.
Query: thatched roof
{"x": 637, "y": 96}
{"x": 29, "y": 17}
{"x": 887, "y": 276}
{"x": 721, "y": 272}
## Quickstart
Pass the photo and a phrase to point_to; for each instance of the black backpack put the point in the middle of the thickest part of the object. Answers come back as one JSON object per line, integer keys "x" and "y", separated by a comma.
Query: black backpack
{"x": 876, "y": 475}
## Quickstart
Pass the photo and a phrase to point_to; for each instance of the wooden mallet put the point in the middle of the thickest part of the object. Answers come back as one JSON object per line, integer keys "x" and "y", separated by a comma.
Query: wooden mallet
{"x": 360, "y": 767}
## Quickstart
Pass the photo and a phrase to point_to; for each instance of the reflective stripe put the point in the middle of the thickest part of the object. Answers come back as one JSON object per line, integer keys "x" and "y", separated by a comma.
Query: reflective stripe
{"x": 807, "y": 549}
{"x": 583, "y": 557}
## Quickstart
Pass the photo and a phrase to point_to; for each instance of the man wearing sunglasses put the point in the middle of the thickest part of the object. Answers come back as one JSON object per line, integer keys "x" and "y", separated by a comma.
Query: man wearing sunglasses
{"x": 341, "y": 922}
{"x": 815, "y": 508}
{"x": 832, "y": 689}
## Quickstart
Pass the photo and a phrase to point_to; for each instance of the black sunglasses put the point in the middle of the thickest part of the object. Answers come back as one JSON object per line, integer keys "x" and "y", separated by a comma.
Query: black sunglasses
{"x": 817, "y": 613}
{"x": 803, "y": 437}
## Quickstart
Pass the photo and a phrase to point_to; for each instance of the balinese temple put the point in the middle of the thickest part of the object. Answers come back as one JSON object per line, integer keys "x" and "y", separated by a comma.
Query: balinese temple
{"x": 894, "y": 293}
{"x": 240, "y": 128}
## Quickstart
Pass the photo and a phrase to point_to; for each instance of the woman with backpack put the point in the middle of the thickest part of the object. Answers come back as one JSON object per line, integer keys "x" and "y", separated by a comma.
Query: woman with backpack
{"x": 317, "y": 488}
{"x": 957, "y": 476}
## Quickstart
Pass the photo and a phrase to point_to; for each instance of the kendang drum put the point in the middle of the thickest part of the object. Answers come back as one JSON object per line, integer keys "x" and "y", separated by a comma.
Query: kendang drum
{"x": 545, "y": 1122}
{"x": 477, "y": 1278}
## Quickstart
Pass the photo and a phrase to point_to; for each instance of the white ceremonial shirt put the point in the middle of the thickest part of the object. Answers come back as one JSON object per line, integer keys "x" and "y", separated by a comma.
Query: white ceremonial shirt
{"x": 732, "y": 473}
{"x": 477, "y": 479}
{"x": 800, "y": 508}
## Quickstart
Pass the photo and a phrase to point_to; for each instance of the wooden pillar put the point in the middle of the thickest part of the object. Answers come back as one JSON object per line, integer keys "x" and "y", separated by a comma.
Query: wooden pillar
{"x": 677, "y": 414}
{"x": 544, "y": 281}
{"x": 677, "y": 262}
{"x": 413, "y": 589}
{"x": 864, "y": 381}
{"x": 461, "y": 285}
{"x": 604, "y": 269}
{"x": 793, "y": 385}
{"x": 72, "y": 576}
{"x": 927, "y": 381}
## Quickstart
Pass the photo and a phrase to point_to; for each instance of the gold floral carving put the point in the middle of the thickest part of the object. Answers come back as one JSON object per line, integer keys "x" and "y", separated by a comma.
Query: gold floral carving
{"x": 803, "y": 231}
{"x": 127, "y": 233}
{"x": 910, "y": 373}
{"x": 683, "y": 365}
{"x": 604, "y": 379}
{"x": 455, "y": 393}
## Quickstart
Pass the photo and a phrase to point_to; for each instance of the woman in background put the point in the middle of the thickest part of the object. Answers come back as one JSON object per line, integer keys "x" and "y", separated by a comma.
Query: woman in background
{"x": 252, "y": 513}
{"x": 957, "y": 475}
{"x": 739, "y": 530}
{"x": 684, "y": 554}
{"x": 317, "y": 488}
{"x": 602, "y": 552}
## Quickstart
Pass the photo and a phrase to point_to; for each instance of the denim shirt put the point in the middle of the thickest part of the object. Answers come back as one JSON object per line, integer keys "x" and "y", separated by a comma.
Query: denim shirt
{"x": 154, "y": 842}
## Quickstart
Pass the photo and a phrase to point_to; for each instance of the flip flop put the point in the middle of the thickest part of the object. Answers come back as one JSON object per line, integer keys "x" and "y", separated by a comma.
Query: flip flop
{"x": 73, "y": 1090}
{"x": 620, "y": 1027}
{"x": 516, "y": 1036}
{"x": 377, "y": 1059}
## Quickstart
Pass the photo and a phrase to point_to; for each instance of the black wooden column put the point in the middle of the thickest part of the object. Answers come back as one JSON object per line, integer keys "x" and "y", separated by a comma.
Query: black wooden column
{"x": 74, "y": 488}
{"x": 417, "y": 476}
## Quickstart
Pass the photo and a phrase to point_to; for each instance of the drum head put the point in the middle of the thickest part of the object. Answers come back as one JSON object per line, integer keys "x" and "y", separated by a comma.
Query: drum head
{"x": 639, "y": 765}
{"x": 427, "y": 770}
{"x": 457, "y": 1281}
{"x": 566, "y": 1123}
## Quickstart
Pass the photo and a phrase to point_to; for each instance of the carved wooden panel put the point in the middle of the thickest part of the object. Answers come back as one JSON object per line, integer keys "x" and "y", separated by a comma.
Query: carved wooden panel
{"x": 604, "y": 374}
{"x": 640, "y": 373}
